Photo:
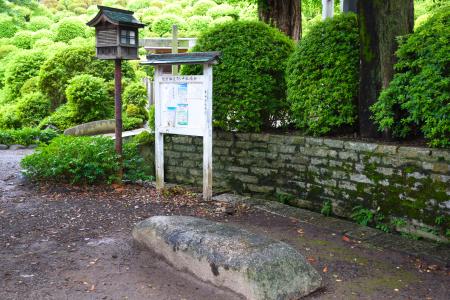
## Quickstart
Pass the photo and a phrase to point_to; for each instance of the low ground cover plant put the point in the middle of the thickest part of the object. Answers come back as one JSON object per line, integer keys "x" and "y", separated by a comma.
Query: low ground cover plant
{"x": 26, "y": 136}
{"x": 83, "y": 160}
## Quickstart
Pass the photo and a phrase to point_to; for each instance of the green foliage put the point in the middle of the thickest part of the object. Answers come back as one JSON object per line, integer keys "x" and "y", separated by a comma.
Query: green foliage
{"x": 26, "y": 136}
{"x": 144, "y": 137}
{"x": 135, "y": 93}
{"x": 6, "y": 49}
{"x": 23, "y": 66}
{"x": 23, "y": 39}
{"x": 249, "y": 86}
{"x": 162, "y": 25}
{"x": 174, "y": 9}
{"x": 8, "y": 116}
{"x": 130, "y": 123}
{"x": 322, "y": 76}
{"x": 70, "y": 61}
{"x": 151, "y": 117}
{"x": 197, "y": 24}
{"x": 70, "y": 28}
{"x": 89, "y": 98}
{"x": 134, "y": 165}
{"x": 39, "y": 22}
{"x": 223, "y": 10}
{"x": 202, "y": 6}
{"x": 134, "y": 111}
{"x": 62, "y": 118}
{"x": 327, "y": 208}
{"x": 32, "y": 108}
{"x": 8, "y": 26}
{"x": 362, "y": 215}
{"x": 75, "y": 160}
{"x": 284, "y": 198}
{"x": 138, "y": 4}
{"x": 418, "y": 96}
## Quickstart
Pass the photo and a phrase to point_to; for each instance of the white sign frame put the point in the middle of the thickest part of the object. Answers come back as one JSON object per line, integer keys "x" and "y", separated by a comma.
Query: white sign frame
{"x": 204, "y": 131}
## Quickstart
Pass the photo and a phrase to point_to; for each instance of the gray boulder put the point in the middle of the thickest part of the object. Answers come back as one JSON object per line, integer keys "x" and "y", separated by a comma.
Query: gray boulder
{"x": 3, "y": 147}
{"x": 92, "y": 128}
{"x": 247, "y": 263}
{"x": 17, "y": 147}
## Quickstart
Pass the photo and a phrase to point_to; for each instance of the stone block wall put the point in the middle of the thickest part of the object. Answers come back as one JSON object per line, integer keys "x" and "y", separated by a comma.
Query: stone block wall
{"x": 403, "y": 182}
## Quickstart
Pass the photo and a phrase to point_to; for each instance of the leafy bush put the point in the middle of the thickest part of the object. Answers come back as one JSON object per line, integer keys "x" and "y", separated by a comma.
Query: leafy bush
{"x": 70, "y": 61}
{"x": 6, "y": 49}
{"x": 75, "y": 160}
{"x": 70, "y": 28}
{"x": 30, "y": 86}
{"x": 89, "y": 98}
{"x": 138, "y": 4}
{"x": 39, "y": 22}
{"x": 134, "y": 166}
{"x": 202, "y": 6}
{"x": 8, "y": 116}
{"x": 83, "y": 160}
{"x": 62, "y": 118}
{"x": 419, "y": 93}
{"x": 23, "y": 39}
{"x": 130, "y": 123}
{"x": 8, "y": 27}
{"x": 163, "y": 25}
{"x": 23, "y": 66}
{"x": 197, "y": 24}
{"x": 32, "y": 108}
{"x": 173, "y": 8}
{"x": 134, "y": 111}
{"x": 322, "y": 76}
{"x": 223, "y": 10}
{"x": 26, "y": 136}
{"x": 135, "y": 93}
{"x": 249, "y": 86}
{"x": 151, "y": 117}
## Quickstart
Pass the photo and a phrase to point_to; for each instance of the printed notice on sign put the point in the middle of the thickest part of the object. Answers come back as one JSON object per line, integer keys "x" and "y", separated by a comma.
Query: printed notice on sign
{"x": 182, "y": 100}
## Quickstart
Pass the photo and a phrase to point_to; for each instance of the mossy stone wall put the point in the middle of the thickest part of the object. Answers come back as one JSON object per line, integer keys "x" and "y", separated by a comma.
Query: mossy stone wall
{"x": 403, "y": 182}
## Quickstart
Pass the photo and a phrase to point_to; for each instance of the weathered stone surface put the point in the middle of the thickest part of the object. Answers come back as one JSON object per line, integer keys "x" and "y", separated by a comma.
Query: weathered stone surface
{"x": 17, "y": 147}
{"x": 250, "y": 264}
{"x": 3, "y": 147}
{"x": 92, "y": 128}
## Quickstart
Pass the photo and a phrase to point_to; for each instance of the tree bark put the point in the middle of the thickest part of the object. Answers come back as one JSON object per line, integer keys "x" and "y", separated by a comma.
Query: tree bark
{"x": 282, "y": 14}
{"x": 380, "y": 23}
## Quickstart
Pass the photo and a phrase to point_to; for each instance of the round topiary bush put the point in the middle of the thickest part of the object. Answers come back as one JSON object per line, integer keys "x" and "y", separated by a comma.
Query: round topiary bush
{"x": 32, "y": 108}
{"x": 249, "y": 86}
{"x": 163, "y": 25}
{"x": 23, "y": 39}
{"x": 39, "y": 22}
{"x": 135, "y": 93}
{"x": 418, "y": 96}
{"x": 197, "y": 24}
{"x": 23, "y": 66}
{"x": 322, "y": 76}
{"x": 88, "y": 96}
{"x": 70, "y": 28}
{"x": 202, "y": 6}
{"x": 223, "y": 10}
{"x": 8, "y": 27}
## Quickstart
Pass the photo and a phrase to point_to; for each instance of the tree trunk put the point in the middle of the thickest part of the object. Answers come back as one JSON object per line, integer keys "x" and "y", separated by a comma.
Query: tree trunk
{"x": 282, "y": 14}
{"x": 380, "y": 23}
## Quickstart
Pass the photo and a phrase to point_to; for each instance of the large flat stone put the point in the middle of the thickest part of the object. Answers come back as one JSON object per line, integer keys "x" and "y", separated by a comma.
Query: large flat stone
{"x": 92, "y": 128}
{"x": 249, "y": 264}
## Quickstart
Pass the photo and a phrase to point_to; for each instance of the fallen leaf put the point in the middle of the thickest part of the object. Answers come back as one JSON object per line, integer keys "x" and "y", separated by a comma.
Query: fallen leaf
{"x": 325, "y": 269}
{"x": 311, "y": 259}
{"x": 345, "y": 239}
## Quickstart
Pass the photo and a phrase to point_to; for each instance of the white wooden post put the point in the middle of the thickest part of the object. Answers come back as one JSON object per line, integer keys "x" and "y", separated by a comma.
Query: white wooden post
{"x": 327, "y": 9}
{"x": 159, "y": 137}
{"x": 207, "y": 137}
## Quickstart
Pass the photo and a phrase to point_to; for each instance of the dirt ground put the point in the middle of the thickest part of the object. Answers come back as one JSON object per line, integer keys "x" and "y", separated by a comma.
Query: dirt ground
{"x": 62, "y": 242}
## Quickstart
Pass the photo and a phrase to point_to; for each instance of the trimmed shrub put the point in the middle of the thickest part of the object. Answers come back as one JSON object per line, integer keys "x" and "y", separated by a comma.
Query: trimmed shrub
{"x": 322, "y": 76}
{"x": 23, "y": 39}
{"x": 135, "y": 93}
{"x": 32, "y": 108}
{"x": 130, "y": 123}
{"x": 23, "y": 66}
{"x": 70, "y": 28}
{"x": 6, "y": 49}
{"x": 202, "y": 6}
{"x": 39, "y": 22}
{"x": 62, "y": 118}
{"x": 138, "y": 4}
{"x": 173, "y": 8}
{"x": 8, "y": 116}
{"x": 27, "y": 136}
{"x": 418, "y": 96}
{"x": 89, "y": 98}
{"x": 222, "y": 20}
{"x": 197, "y": 24}
{"x": 151, "y": 117}
{"x": 163, "y": 25}
{"x": 8, "y": 27}
{"x": 30, "y": 86}
{"x": 249, "y": 86}
{"x": 70, "y": 61}
{"x": 223, "y": 10}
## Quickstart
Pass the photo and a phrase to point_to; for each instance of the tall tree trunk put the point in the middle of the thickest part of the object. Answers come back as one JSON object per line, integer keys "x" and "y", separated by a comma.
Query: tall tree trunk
{"x": 380, "y": 23}
{"x": 283, "y": 14}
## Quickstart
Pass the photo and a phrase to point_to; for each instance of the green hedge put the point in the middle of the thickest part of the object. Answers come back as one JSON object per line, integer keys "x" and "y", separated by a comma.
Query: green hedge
{"x": 322, "y": 76}
{"x": 26, "y": 136}
{"x": 418, "y": 96}
{"x": 249, "y": 86}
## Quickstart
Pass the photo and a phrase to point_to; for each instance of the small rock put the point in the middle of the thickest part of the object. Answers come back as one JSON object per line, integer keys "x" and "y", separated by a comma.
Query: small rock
{"x": 3, "y": 147}
{"x": 32, "y": 146}
{"x": 16, "y": 147}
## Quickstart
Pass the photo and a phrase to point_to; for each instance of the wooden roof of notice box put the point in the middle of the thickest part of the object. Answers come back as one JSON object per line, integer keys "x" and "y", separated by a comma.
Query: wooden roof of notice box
{"x": 182, "y": 58}
{"x": 115, "y": 16}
